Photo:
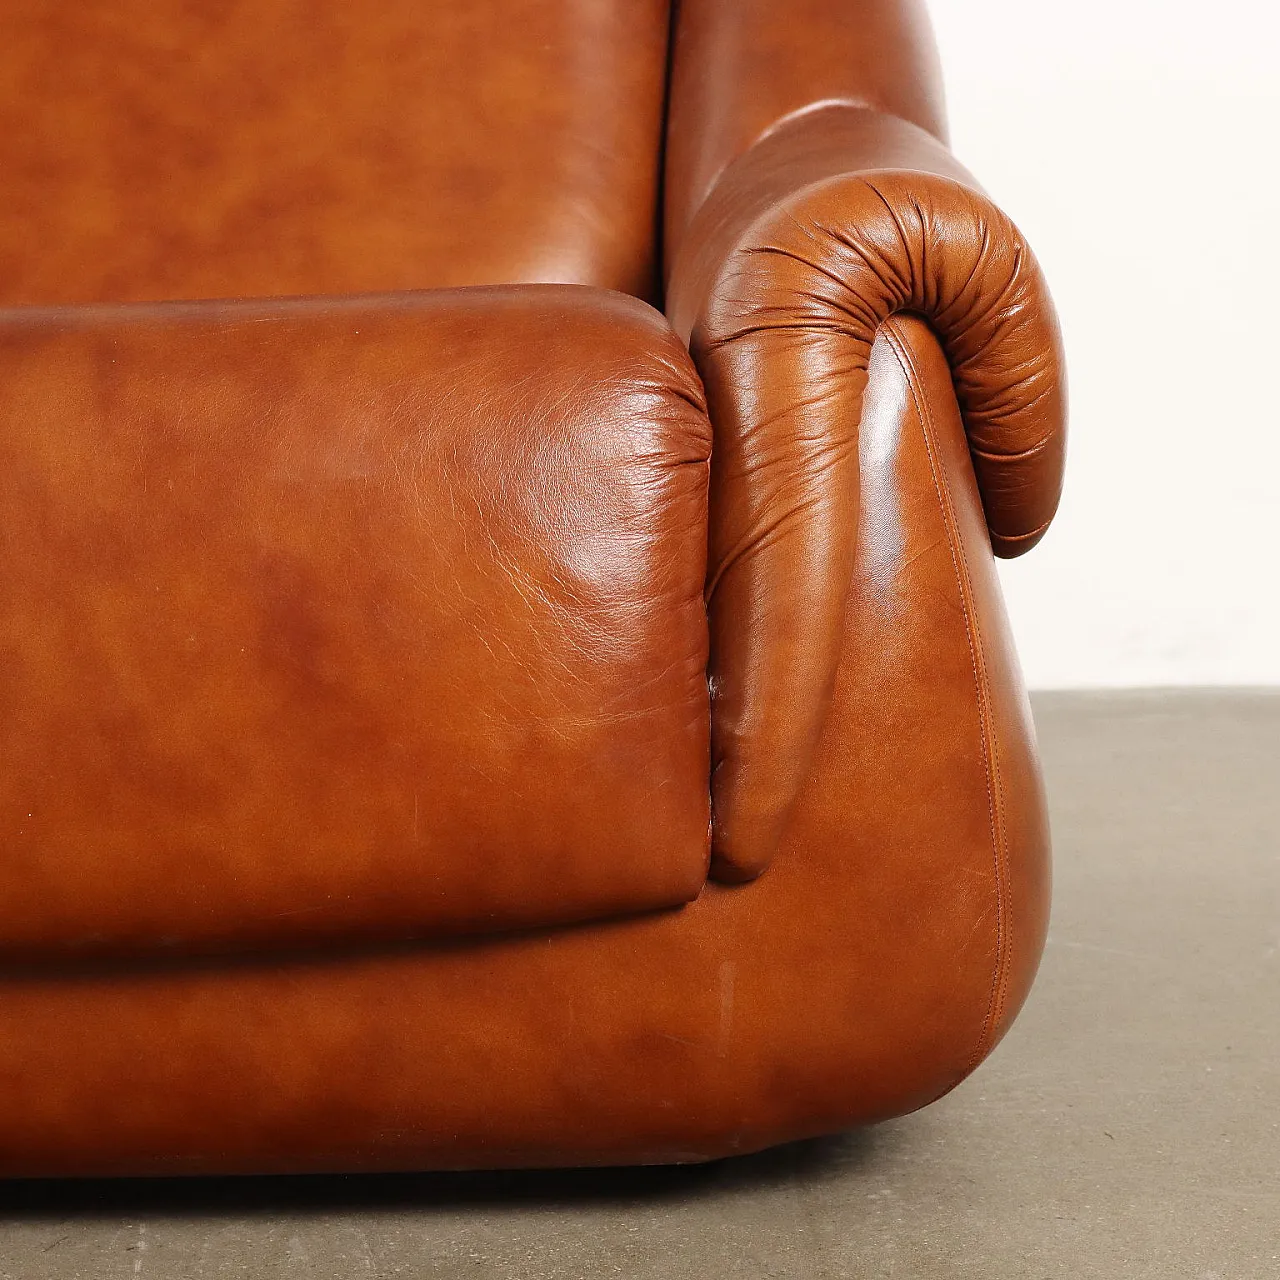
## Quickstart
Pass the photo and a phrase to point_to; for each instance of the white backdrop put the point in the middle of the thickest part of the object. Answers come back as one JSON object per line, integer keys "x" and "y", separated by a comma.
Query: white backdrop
{"x": 1137, "y": 143}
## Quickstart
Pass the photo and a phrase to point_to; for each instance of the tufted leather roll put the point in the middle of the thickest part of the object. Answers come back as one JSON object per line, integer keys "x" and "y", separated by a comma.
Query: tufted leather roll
{"x": 327, "y": 620}
{"x": 357, "y": 757}
{"x": 838, "y": 219}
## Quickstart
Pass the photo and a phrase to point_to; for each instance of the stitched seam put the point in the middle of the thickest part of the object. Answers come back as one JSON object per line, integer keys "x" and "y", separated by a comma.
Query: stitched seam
{"x": 995, "y": 796}
{"x": 981, "y": 678}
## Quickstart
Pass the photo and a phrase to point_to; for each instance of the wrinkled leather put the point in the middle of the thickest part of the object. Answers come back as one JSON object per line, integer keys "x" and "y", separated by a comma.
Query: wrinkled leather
{"x": 158, "y": 149}
{"x": 879, "y": 960}
{"x": 308, "y": 610}
{"x": 837, "y": 220}
{"x": 899, "y": 927}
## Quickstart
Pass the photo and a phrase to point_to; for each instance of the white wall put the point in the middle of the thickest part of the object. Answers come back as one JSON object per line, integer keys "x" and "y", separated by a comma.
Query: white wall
{"x": 1137, "y": 143}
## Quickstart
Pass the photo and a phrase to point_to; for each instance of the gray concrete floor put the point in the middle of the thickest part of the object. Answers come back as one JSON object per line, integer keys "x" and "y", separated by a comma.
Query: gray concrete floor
{"x": 1128, "y": 1127}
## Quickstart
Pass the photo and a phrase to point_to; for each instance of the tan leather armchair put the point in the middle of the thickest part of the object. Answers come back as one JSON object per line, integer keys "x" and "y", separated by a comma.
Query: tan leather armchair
{"x": 446, "y": 727}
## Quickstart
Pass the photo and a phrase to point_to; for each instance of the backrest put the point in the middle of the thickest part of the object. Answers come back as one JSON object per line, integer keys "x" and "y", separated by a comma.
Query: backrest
{"x": 160, "y": 149}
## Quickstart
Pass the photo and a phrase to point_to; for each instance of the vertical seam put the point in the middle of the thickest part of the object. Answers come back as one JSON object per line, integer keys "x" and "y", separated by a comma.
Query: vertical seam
{"x": 981, "y": 677}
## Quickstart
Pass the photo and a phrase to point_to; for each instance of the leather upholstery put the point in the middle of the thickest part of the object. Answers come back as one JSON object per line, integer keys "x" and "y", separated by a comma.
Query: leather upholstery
{"x": 302, "y": 631}
{"x": 740, "y": 67}
{"x": 873, "y": 966}
{"x": 884, "y": 401}
{"x": 159, "y": 149}
{"x": 838, "y": 219}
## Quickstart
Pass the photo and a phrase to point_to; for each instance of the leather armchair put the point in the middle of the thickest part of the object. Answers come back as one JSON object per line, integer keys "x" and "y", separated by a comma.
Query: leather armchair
{"x": 449, "y": 727}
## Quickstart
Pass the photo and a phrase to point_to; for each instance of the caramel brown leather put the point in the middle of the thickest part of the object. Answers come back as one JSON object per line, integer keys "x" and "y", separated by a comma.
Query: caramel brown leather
{"x": 885, "y": 402}
{"x": 307, "y": 609}
{"x": 157, "y": 149}
{"x": 837, "y": 220}
{"x": 873, "y": 966}
{"x": 739, "y": 67}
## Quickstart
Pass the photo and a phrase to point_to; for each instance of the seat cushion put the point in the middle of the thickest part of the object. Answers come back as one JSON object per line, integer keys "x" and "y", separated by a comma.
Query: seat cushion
{"x": 333, "y": 621}
{"x": 155, "y": 149}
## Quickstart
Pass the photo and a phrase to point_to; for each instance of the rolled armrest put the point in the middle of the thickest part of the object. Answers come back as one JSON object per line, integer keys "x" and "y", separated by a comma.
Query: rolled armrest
{"x": 834, "y": 221}
{"x": 741, "y": 66}
{"x": 325, "y": 620}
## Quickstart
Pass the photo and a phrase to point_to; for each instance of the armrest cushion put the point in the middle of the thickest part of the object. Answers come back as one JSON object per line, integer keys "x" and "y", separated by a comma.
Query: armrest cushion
{"x": 835, "y": 221}
{"x": 325, "y": 620}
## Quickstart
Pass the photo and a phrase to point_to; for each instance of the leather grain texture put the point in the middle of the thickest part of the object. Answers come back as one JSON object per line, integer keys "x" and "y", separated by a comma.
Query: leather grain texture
{"x": 879, "y": 959}
{"x": 834, "y": 222}
{"x": 162, "y": 149}
{"x": 739, "y": 67}
{"x": 311, "y": 611}
{"x": 284, "y": 582}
